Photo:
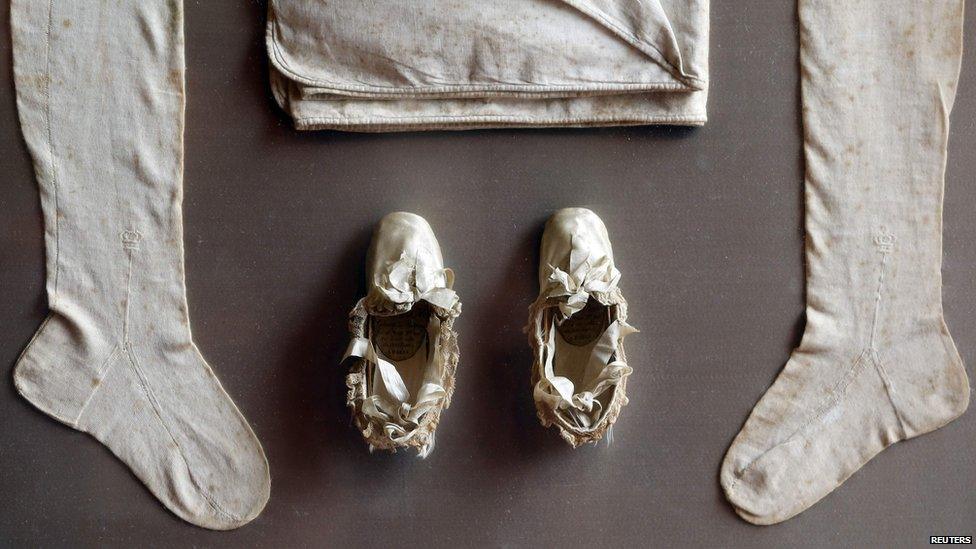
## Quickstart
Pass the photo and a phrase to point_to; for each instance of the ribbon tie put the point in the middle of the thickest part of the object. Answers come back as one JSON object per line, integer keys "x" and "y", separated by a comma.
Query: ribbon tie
{"x": 585, "y": 276}
{"x": 582, "y": 404}
{"x": 389, "y": 402}
{"x": 415, "y": 278}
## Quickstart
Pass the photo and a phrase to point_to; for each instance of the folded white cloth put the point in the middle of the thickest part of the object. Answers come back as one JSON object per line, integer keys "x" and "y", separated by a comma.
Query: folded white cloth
{"x": 388, "y": 65}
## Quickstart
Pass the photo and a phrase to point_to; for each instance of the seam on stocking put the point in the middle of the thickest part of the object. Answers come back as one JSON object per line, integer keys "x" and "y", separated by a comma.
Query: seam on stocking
{"x": 889, "y": 391}
{"x": 34, "y": 338}
{"x": 103, "y": 371}
{"x": 825, "y": 405}
{"x": 50, "y": 153}
{"x": 130, "y": 243}
{"x": 128, "y": 300}
{"x": 151, "y": 397}
{"x": 886, "y": 245}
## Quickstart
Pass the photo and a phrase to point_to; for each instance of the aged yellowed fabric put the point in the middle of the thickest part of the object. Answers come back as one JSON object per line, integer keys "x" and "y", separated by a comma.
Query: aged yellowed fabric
{"x": 389, "y": 65}
{"x": 403, "y": 341}
{"x": 576, "y": 329}
{"x": 876, "y": 364}
{"x": 100, "y": 95}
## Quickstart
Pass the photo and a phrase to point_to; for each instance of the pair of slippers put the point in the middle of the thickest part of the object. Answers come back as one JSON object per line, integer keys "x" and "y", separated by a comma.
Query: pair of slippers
{"x": 406, "y": 349}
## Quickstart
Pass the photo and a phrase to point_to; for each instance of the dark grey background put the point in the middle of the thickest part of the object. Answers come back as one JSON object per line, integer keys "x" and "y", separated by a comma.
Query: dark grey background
{"x": 707, "y": 229}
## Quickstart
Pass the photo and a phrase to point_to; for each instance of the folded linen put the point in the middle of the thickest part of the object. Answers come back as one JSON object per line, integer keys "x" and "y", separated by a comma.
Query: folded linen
{"x": 398, "y": 65}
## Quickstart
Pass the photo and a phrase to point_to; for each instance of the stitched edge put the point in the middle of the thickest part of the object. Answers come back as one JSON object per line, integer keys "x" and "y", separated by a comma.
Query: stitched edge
{"x": 480, "y": 91}
{"x": 278, "y": 59}
{"x": 642, "y": 44}
{"x": 486, "y": 121}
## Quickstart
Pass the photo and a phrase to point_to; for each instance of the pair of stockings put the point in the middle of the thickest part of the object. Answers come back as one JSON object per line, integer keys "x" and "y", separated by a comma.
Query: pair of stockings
{"x": 101, "y": 99}
{"x": 876, "y": 364}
